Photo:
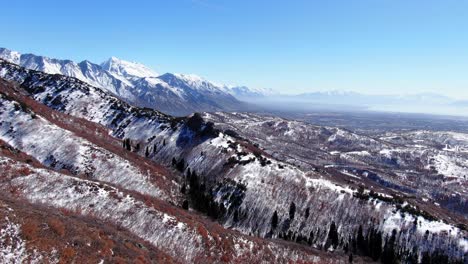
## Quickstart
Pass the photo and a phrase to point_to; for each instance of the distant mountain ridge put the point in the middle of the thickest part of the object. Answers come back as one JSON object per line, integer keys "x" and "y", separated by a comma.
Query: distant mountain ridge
{"x": 176, "y": 94}
{"x": 182, "y": 94}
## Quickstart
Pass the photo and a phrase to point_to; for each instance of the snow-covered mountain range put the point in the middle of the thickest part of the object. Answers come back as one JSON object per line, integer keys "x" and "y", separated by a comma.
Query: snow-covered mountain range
{"x": 183, "y": 94}
{"x": 177, "y": 94}
{"x": 96, "y": 157}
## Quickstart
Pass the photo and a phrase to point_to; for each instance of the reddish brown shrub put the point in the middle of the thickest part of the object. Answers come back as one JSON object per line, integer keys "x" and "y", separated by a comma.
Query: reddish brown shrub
{"x": 57, "y": 226}
{"x": 140, "y": 260}
{"x": 226, "y": 258}
{"x": 67, "y": 255}
{"x": 30, "y": 229}
{"x": 24, "y": 171}
{"x": 107, "y": 247}
{"x": 15, "y": 190}
{"x": 119, "y": 260}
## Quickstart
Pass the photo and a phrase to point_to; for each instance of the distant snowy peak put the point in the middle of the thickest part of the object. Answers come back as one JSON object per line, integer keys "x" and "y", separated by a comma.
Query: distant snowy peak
{"x": 49, "y": 65}
{"x": 10, "y": 56}
{"x": 127, "y": 69}
{"x": 245, "y": 92}
{"x": 190, "y": 81}
{"x": 45, "y": 64}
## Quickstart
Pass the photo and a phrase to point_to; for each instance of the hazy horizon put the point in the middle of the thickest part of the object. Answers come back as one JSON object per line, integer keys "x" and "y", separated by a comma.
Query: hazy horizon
{"x": 385, "y": 47}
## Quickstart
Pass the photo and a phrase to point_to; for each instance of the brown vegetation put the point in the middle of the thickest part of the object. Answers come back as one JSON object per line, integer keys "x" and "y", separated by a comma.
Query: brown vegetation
{"x": 57, "y": 226}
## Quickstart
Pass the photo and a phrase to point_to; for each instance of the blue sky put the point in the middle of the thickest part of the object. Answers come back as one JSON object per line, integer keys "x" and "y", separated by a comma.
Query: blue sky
{"x": 368, "y": 46}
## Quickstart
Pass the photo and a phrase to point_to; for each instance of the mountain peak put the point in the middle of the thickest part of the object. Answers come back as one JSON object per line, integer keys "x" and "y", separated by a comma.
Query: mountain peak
{"x": 190, "y": 77}
{"x": 191, "y": 80}
{"x": 10, "y": 55}
{"x": 127, "y": 69}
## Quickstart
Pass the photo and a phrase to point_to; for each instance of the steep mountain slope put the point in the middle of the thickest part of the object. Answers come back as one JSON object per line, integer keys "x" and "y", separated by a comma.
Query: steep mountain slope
{"x": 136, "y": 84}
{"x": 35, "y": 233}
{"x": 102, "y": 198}
{"x": 244, "y": 187}
{"x": 185, "y": 238}
{"x": 66, "y": 143}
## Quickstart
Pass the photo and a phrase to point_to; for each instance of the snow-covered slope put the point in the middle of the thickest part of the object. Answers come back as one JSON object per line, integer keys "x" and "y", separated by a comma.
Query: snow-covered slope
{"x": 135, "y": 83}
{"x": 183, "y": 237}
{"x": 244, "y": 186}
{"x": 114, "y": 192}
{"x": 61, "y": 149}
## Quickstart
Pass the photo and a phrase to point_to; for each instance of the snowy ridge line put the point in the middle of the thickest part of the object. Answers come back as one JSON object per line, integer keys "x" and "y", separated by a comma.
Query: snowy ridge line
{"x": 39, "y": 138}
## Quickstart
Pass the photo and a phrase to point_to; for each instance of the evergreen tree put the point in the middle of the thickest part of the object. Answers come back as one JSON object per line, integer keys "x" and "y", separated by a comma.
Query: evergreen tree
{"x": 438, "y": 257}
{"x": 376, "y": 245}
{"x": 195, "y": 122}
{"x": 292, "y": 211}
{"x": 369, "y": 246}
{"x": 209, "y": 130}
{"x": 333, "y": 235}
{"x": 274, "y": 221}
{"x": 185, "y": 205}
{"x": 389, "y": 254}
{"x": 361, "y": 243}
{"x": 127, "y": 144}
{"x": 235, "y": 218}
{"x": 311, "y": 238}
{"x": 426, "y": 258}
{"x": 412, "y": 257}
{"x": 193, "y": 180}
{"x": 181, "y": 165}
{"x": 307, "y": 213}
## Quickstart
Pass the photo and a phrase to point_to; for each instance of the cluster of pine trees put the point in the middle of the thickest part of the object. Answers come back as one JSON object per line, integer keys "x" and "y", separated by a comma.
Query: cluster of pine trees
{"x": 200, "y": 196}
{"x": 373, "y": 244}
{"x": 127, "y": 144}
